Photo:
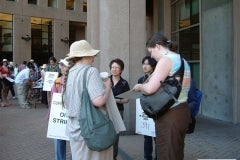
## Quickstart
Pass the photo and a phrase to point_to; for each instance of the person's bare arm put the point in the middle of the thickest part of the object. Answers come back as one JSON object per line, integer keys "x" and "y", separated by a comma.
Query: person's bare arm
{"x": 101, "y": 100}
{"x": 160, "y": 73}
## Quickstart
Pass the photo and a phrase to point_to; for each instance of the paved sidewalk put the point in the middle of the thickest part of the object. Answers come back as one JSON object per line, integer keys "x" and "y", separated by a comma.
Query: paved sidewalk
{"x": 23, "y": 137}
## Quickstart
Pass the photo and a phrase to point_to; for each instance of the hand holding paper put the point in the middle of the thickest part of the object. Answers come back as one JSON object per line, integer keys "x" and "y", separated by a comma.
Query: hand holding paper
{"x": 130, "y": 95}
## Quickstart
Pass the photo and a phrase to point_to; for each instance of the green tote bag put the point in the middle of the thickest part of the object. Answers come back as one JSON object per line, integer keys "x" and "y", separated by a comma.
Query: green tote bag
{"x": 96, "y": 128}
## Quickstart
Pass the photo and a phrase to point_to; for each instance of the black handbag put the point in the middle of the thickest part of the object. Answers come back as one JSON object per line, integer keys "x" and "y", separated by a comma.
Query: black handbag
{"x": 96, "y": 128}
{"x": 158, "y": 103}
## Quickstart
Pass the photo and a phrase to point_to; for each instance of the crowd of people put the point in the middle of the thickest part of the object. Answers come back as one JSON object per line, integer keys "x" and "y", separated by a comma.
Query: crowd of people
{"x": 163, "y": 61}
{"x": 20, "y": 80}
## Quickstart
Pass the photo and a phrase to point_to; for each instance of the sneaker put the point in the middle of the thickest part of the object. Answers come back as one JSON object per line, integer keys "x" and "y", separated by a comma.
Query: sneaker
{"x": 14, "y": 97}
{"x": 27, "y": 107}
{"x": 23, "y": 107}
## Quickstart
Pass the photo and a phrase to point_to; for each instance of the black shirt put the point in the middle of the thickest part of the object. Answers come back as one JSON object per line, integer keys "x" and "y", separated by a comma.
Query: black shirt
{"x": 142, "y": 79}
{"x": 121, "y": 87}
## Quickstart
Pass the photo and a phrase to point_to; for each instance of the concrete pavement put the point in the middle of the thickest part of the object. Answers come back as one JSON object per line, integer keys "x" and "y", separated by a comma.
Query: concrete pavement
{"x": 23, "y": 137}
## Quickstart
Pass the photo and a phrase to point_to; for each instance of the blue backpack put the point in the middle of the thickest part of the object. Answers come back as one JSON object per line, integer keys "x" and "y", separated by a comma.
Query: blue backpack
{"x": 194, "y": 98}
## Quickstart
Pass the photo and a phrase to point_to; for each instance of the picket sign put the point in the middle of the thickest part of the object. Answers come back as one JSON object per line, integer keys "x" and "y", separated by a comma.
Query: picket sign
{"x": 49, "y": 80}
{"x": 57, "y": 119}
{"x": 144, "y": 124}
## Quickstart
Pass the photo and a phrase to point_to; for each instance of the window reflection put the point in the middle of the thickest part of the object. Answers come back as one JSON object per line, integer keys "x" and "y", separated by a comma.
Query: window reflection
{"x": 6, "y": 40}
{"x": 185, "y": 28}
{"x": 185, "y": 13}
{"x": 52, "y": 3}
{"x": 185, "y": 31}
{"x": 32, "y": 1}
{"x": 70, "y": 4}
{"x": 42, "y": 38}
{"x": 84, "y": 6}
{"x": 189, "y": 43}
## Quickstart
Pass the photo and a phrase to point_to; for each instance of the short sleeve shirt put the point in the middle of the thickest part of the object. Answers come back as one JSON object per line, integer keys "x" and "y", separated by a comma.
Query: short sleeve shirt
{"x": 22, "y": 76}
{"x": 73, "y": 94}
{"x": 121, "y": 87}
{"x": 74, "y": 85}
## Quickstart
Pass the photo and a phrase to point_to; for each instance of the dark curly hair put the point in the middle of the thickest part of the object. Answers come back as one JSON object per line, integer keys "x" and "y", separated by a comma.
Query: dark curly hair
{"x": 118, "y": 61}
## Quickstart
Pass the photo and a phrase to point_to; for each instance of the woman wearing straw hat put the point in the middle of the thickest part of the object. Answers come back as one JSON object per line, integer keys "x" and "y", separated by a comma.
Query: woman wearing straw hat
{"x": 82, "y": 56}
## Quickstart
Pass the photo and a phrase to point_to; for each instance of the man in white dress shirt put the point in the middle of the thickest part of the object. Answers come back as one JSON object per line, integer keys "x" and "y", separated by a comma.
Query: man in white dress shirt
{"x": 23, "y": 82}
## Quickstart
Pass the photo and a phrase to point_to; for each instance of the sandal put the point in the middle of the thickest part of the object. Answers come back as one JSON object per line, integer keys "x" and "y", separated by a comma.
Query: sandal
{"x": 3, "y": 105}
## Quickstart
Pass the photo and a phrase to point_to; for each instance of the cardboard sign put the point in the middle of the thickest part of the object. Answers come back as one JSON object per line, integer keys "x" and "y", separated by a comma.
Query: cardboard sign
{"x": 144, "y": 124}
{"x": 57, "y": 119}
{"x": 49, "y": 80}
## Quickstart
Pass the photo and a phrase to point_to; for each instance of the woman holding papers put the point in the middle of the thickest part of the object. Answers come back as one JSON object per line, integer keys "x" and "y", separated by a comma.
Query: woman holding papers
{"x": 60, "y": 145}
{"x": 119, "y": 85}
{"x": 52, "y": 67}
{"x": 172, "y": 125}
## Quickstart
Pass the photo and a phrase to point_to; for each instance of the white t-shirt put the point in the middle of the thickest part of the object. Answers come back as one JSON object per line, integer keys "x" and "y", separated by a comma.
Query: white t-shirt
{"x": 22, "y": 76}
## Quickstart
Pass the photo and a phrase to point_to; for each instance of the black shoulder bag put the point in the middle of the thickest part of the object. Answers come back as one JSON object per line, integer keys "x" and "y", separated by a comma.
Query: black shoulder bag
{"x": 157, "y": 104}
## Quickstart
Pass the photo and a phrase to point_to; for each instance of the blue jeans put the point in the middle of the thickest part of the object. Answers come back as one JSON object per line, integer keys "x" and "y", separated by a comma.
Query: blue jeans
{"x": 60, "y": 149}
{"x": 148, "y": 148}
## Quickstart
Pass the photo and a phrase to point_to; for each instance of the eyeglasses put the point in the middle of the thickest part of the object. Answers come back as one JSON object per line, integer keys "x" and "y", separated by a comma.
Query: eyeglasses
{"x": 115, "y": 67}
{"x": 145, "y": 64}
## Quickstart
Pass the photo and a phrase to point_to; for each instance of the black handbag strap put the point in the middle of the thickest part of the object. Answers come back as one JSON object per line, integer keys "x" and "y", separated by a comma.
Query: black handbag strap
{"x": 172, "y": 79}
{"x": 179, "y": 73}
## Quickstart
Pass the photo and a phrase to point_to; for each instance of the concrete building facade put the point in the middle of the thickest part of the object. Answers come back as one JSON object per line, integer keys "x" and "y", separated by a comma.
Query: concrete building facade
{"x": 206, "y": 31}
{"x": 47, "y": 23}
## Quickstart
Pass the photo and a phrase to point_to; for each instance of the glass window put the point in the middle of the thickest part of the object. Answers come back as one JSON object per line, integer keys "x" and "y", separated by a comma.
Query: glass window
{"x": 32, "y": 1}
{"x": 70, "y": 4}
{"x": 185, "y": 28}
{"x": 52, "y": 3}
{"x": 6, "y": 36}
{"x": 84, "y": 6}
{"x": 188, "y": 42}
{"x": 185, "y": 13}
{"x": 185, "y": 31}
{"x": 149, "y": 8}
{"x": 42, "y": 39}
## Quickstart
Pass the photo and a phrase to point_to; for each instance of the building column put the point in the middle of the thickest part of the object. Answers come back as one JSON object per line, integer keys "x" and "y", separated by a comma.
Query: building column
{"x": 118, "y": 29}
{"x": 21, "y": 48}
{"x": 236, "y": 59}
{"x": 61, "y": 31}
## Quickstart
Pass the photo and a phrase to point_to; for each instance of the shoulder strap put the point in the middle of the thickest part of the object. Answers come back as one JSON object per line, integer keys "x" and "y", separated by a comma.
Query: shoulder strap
{"x": 180, "y": 72}
{"x": 85, "y": 78}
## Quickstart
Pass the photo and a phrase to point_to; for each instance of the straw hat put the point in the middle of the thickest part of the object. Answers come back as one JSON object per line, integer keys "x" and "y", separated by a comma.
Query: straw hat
{"x": 64, "y": 62}
{"x": 81, "y": 49}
